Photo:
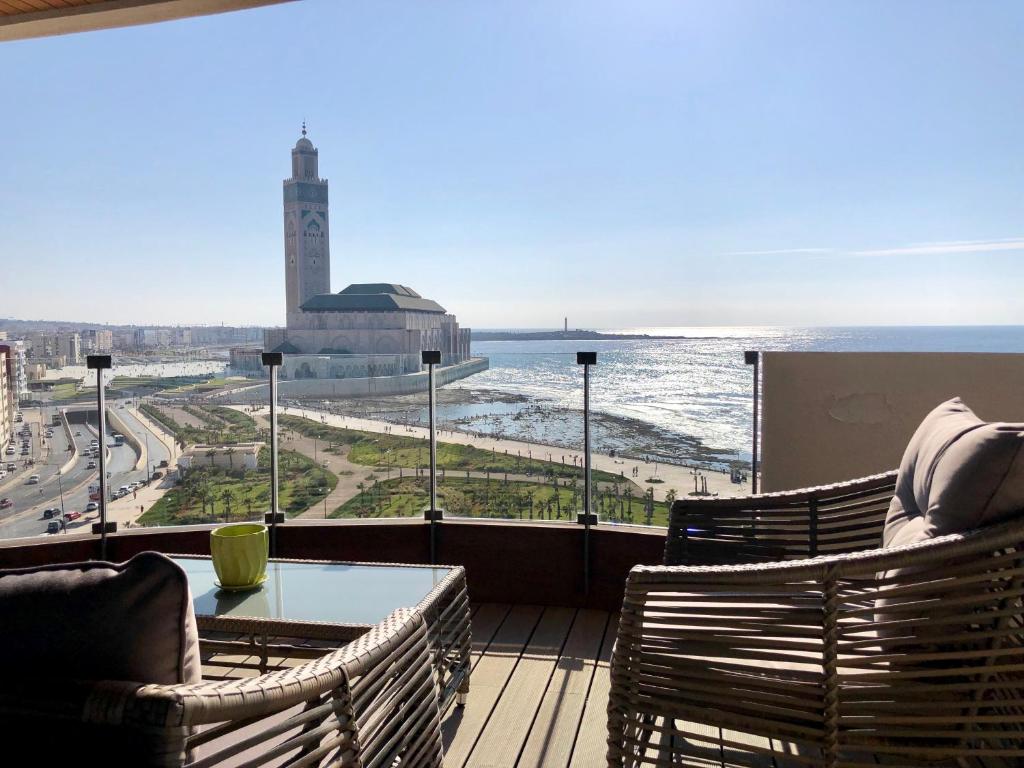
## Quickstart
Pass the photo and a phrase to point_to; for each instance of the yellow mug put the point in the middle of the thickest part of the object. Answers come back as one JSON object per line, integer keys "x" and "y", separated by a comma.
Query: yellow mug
{"x": 240, "y": 553}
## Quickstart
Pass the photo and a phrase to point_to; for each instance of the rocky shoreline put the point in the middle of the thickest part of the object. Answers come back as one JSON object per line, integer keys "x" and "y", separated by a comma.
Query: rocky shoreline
{"x": 499, "y": 414}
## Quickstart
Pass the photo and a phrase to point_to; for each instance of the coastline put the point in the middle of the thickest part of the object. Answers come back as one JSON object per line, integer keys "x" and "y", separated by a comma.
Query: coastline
{"x": 681, "y": 479}
{"x": 501, "y": 415}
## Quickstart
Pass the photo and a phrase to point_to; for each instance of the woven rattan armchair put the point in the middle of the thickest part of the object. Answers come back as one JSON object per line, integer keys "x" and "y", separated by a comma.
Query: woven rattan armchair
{"x": 909, "y": 655}
{"x": 370, "y": 703}
{"x": 837, "y": 518}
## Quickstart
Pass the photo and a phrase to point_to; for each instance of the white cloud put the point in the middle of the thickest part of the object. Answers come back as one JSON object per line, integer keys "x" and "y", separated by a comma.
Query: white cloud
{"x": 948, "y": 247}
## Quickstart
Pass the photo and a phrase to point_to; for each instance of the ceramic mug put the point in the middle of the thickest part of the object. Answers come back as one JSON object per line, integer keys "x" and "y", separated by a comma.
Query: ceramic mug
{"x": 240, "y": 553}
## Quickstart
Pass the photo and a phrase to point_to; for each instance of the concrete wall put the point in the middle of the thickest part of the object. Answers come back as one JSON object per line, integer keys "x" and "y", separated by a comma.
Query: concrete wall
{"x": 376, "y": 386}
{"x": 830, "y": 416}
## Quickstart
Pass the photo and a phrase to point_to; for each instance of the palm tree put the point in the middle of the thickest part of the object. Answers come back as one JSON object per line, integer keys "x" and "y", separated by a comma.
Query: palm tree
{"x": 210, "y": 454}
{"x": 231, "y": 455}
{"x": 226, "y": 498}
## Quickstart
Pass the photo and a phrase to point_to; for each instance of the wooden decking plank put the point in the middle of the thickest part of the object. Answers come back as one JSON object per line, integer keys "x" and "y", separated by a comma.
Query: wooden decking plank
{"x": 554, "y": 728}
{"x": 695, "y": 745}
{"x": 485, "y": 623}
{"x": 508, "y": 727}
{"x": 591, "y": 747}
{"x": 462, "y": 726}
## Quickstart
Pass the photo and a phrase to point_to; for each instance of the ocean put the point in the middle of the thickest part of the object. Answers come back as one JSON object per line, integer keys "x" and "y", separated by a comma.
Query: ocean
{"x": 689, "y": 395}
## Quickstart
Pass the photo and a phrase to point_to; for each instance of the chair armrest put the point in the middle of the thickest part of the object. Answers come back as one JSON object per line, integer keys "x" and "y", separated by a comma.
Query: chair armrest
{"x": 846, "y": 516}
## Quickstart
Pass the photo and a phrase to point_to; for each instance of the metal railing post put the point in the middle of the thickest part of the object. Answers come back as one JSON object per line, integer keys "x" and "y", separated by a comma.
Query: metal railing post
{"x": 588, "y": 518}
{"x": 754, "y": 359}
{"x": 101, "y": 363}
{"x": 273, "y": 360}
{"x": 430, "y": 359}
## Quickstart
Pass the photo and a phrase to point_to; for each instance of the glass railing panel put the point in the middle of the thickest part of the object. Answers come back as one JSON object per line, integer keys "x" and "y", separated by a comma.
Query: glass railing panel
{"x": 220, "y": 431}
{"x": 667, "y": 420}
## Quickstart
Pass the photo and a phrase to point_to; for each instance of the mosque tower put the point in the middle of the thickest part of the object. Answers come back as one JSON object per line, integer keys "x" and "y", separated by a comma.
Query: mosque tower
{"x": 307, "y": 252}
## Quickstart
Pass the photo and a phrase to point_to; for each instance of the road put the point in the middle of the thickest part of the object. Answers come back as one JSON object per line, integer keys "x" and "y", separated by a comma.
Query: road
{"x": 26, "y": 517}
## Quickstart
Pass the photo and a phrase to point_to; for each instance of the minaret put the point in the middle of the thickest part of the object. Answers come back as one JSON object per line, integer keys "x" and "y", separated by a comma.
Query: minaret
{"x": 307, "y": 253}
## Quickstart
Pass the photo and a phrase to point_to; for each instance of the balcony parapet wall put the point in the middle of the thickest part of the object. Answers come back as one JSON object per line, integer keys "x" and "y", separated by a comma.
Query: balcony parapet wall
{"x": 509, "y": 562}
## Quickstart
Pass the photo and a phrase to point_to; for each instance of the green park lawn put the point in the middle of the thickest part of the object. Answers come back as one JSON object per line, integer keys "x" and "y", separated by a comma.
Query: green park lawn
{"x": 495, "y": 498}
{"x": 215, "y": 495}
{"x": 220, "y": 425}
{"x": 377, "y": 450}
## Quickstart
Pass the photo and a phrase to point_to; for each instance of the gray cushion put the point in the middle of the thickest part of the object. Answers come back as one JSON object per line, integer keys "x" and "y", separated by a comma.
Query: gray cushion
{"x": 957, "y": 473}
{"x": 99, "y": 621}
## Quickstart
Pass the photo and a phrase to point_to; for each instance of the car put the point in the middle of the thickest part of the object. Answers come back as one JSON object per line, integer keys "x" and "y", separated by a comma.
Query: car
{"x": 51, "y": 512}
{"x": 92, "y": 506}
{"x": 91, "y": 465}
{"x": 124, "y": 489}
{"x": 33, "y": 479}
{"x": 10, "y": 450}
{"x": 53, "y": 526}
{"x": 11, "y": 466}
{"x": 49, "y": 433}
{"x": 78, "y": 433}
{"x": 25, "y": 452}
{"x": 6, "y": 503}
{"x": 73, "y": 515}
{"x": 135, "y": 484}
{"x": 94, "y": 496}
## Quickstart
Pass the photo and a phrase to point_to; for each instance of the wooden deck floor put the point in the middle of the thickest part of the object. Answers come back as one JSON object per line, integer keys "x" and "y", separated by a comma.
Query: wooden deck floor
{"x": 538, "y": 691}
{"x": 539, "y": 694}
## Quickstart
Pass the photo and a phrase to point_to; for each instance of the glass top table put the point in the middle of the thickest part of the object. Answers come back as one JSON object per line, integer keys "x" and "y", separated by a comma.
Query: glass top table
{"x": 338, "y": 602}
{"x": 307, "y": 591}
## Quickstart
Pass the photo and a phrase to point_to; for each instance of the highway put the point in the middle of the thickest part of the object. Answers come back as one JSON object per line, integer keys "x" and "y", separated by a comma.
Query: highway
{"x": 25, "y": 518}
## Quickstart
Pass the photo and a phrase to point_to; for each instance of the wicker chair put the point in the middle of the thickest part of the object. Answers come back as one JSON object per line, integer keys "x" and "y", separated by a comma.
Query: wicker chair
{"x": 371, "y": 703}
{"x": 837, "y": 518}
{"x": 909, "y": 655}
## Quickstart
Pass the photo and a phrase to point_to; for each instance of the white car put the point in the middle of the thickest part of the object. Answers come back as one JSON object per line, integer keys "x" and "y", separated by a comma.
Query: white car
{"x": 33, "y": 479}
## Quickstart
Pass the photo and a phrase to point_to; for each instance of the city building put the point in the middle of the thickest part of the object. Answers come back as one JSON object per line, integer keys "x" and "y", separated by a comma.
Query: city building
{"x": 363, "y": 320}
{"x": 226, "y": 334}
{"x": 158, "y": 338}
{"x": 97, "y": 340}
{"x": 42, "y": 344}
{"x": 69, "y": 344}
{"x": 240, "y": 456}
{"x": 16, "y": 369}
{"x": 7, "y": 400}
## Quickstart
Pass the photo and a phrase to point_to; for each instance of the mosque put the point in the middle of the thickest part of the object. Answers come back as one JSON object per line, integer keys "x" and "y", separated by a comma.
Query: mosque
{"x": 379, "y": 328}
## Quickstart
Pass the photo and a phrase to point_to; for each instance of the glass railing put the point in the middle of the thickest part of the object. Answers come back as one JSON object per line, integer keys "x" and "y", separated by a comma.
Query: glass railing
{"x": 188, "y": 441}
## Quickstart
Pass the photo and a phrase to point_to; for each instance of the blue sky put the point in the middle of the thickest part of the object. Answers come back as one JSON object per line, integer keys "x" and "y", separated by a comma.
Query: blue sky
{"x": 622, "y": 163}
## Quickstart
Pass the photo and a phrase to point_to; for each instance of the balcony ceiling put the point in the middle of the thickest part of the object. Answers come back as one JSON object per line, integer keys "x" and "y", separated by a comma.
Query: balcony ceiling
{"x": 20, "y": 19}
